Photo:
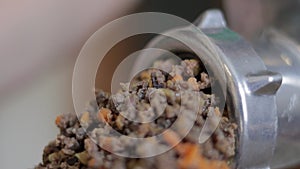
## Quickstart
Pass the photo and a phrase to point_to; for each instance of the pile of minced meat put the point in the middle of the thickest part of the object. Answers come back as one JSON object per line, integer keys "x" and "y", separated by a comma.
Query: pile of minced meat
{"x": 75, "y": 146}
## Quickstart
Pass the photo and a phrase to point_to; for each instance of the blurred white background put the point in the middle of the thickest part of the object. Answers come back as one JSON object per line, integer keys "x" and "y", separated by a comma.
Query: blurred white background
{"x": 39, "y": 42}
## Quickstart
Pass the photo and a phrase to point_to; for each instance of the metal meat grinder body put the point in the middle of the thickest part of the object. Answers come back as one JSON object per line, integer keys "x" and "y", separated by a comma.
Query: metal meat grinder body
{"x": 262, "y": 82}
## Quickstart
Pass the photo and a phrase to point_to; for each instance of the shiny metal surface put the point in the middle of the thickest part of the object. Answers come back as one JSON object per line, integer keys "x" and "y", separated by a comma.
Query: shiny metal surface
{"x": 253, "y": 103}
{"x": 263, "y": 90}
{"x": 281, "y": 54}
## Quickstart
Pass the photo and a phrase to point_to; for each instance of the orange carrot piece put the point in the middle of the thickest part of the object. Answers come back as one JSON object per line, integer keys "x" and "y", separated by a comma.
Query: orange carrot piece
{"x": 171, "y": 137}
{"x": 85, "y": 117}
{"x": 177, "y": 78}
{"x": 104, "y": 115}
{"x": 58, "y": 120}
